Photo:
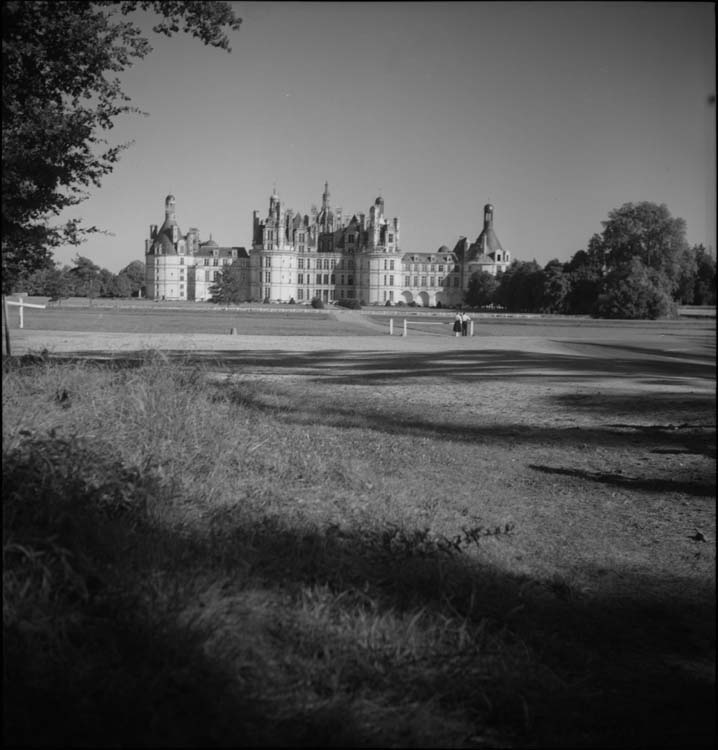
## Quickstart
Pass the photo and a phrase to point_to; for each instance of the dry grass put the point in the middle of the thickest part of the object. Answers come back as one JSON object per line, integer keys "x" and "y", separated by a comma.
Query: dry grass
{"x": 193, "y": 560}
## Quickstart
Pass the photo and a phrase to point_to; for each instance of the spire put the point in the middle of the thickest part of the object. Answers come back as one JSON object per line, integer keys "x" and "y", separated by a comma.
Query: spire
{"x": 170, "y": 207}
{"x": 488, "y": 216}
{"x": 325, "y": 196}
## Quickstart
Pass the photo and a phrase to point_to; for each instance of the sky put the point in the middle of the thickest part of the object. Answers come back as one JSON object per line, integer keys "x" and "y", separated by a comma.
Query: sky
{"x": 556, "y": 113}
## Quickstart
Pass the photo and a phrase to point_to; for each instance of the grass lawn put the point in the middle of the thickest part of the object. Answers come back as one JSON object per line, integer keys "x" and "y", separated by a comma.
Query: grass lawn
{"x": 490, "y": 546}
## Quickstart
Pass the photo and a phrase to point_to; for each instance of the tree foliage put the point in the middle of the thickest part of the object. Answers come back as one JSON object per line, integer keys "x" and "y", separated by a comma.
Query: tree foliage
{"x": 482, "y": 289}
{"x": 647, "y": 232}
{"x": 84, "y": 279}
{"x": 61, "y": 94}
{"x": 634, "y": 291}
{"x": 704, "y": 284}
{"x": 229, "y": 287}
{"x": 521, "y": 287}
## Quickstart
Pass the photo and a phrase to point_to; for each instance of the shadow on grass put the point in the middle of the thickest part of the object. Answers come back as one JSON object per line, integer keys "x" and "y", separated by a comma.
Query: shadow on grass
{"x": 366, "y": 368}
{"x": 631, "y": 484}
{"x": 95, "y": 655}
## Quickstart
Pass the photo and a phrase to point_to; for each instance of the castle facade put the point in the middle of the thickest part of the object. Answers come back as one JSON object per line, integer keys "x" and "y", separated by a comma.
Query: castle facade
{"x": 323, "y": 254}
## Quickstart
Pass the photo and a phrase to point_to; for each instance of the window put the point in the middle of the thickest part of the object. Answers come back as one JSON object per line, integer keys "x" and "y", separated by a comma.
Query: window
{"x": 331, "y": 295}
{"x": 423, "y": 280}
{"x": 385, "y": 264}
{"x": 181, "y": 261}
{"x": 391, "y": 281}
{"x": 441, "y": 268}
{"x": 333, "y": 280}
{"x": 326, "y": 264}
{"x": 391, "y": 296}
{"x": 206, "y": 275}
{"x": 391, "y": 238}
{"x": 341, "y": 279}
{"x": 384, "y": 279}
{"x": 431, "y": 281}
{"x": 350, "y": 281}
{"x": 326, "y": 278}
{"x": 423, "y": 267}
{"x": 300, "y": 263}
{"x": 300, "y": 278}
{"x": 206, "y": 261}
{"x": 407, "y": 280}
{"x": 300, "y": 293}
{"x": 416, "y": 281}
{"x": 391, "y": 265}
{"x": 267, "y": 262}
{"x": 215, "y": 262}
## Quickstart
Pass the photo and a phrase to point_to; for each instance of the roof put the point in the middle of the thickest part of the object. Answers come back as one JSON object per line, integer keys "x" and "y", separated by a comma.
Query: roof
{"x": 207, "y": 250}
{"x": 162, "y": 244}
{"x": 489, "y": 241}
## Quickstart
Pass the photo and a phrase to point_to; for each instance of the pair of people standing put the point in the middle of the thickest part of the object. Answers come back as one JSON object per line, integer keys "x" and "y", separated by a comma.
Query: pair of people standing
{"x": 461, "y": 324}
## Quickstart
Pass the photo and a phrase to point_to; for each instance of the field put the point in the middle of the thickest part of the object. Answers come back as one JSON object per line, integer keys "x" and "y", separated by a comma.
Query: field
{"x": 311, "y": 533}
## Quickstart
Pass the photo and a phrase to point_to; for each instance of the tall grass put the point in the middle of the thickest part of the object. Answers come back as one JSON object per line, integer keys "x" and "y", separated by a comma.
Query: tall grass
{"x": 184, "y": 566}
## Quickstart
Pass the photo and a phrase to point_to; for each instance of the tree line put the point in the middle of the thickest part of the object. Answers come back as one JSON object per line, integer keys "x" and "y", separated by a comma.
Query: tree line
{"x": 639, "y": 267}
{"x": 84, "y": 279}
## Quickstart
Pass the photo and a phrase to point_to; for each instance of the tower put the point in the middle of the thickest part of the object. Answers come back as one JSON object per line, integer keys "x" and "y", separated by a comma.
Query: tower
{"x": 488, "y": 217}
{"x": 170, "y": 219}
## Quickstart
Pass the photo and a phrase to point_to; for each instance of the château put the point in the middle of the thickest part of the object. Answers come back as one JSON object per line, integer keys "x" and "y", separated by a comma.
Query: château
{"x": 324, "y": 254}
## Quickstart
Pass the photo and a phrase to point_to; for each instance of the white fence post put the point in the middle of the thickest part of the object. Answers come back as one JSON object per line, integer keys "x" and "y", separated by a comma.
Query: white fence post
{"x": 472, "y": 328}
{"x": 22, "y": 305}
{"x": 404, "y": 334}
{"x": 391, "y": 326}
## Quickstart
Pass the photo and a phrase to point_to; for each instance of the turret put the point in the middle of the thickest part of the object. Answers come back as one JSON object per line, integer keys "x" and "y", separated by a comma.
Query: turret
{"x": 170, "y": 220}
{"x": 170, "y": 208}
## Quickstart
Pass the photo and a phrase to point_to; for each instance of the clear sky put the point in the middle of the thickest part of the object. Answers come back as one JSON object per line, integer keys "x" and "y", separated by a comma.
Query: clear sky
{"x": 554, "y": 112}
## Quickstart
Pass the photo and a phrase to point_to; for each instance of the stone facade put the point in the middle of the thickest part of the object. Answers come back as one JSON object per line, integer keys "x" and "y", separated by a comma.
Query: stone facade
{"x": 180, "y": 267}
{"x": 324, "y": 255}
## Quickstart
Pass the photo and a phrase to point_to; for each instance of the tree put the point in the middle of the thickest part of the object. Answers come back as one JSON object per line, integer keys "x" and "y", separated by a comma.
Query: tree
{"x": 556, "y": 287}
{"x": 87, "y": 278}
{"x": 482, "y": 289}
{"x": 521, "y": 287}
{"x": 646, "y": 231}
{"x": 59, "y": 284}
{"x": 108, "y": 283}
{"x": 634, "y": 291}
{"x": 704, "y": 291}
{"x": 229, "y": 287}
{"x": 60, "y": 96}
{"x": 134, "y": 273}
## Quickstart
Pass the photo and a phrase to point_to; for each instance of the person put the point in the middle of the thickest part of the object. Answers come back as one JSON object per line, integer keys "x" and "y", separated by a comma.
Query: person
{"x": 457, "y": 324}
{"x": 465, "y": 324}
